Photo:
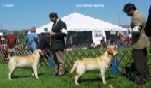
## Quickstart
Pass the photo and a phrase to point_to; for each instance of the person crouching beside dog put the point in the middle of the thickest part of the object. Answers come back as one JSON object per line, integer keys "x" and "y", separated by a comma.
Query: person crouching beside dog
{"x": 139, "y": 41}
{"x": 59, "y": 32}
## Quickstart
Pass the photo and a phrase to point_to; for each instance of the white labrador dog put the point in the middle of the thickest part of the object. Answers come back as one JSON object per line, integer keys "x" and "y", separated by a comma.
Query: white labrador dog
{"x": 100, "y": 63}
{"x": 24, "y": 61}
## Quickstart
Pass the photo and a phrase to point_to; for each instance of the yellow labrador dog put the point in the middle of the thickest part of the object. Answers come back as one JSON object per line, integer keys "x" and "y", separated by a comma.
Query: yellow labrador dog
{"x": 100, "y": 63}
{"x": 25, "y": 61}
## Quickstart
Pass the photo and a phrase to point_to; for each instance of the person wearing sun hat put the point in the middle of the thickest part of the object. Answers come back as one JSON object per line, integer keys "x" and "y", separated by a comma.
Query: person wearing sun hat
{"x": 32, "y": 39}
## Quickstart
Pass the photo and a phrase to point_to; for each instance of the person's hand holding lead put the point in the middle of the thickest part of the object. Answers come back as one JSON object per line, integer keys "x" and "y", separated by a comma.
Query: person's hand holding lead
{"x": 52, "y": 34}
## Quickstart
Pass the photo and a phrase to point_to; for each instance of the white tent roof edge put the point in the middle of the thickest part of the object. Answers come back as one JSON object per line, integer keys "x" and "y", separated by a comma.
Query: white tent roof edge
{"x": 96, "y": 29}
{"x": 88, "y": 23}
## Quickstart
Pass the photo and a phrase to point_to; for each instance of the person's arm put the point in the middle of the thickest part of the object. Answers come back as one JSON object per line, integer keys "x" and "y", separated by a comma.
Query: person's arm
{"x": 16, "y": 39}
{"x": 26, "y": 38}
{"x": 138, "y": 23}
{"x": 137, "y": 27}
{"x": 142, "y": 42}
{"x": 7, "y": 39}
{"x": 148, "y": 24}
{"x": 36, "y": 38}
{"x": 63, "y": 32}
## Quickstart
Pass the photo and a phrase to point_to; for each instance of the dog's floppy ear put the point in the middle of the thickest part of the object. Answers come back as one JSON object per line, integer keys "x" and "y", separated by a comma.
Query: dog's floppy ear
{"x": 110, "y": 51}
{"x": 35, "y": 52}
{"x": 40, "y": 51}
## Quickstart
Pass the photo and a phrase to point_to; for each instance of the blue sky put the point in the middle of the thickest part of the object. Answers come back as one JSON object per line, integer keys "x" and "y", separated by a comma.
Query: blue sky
{"x": 26, "y": 13}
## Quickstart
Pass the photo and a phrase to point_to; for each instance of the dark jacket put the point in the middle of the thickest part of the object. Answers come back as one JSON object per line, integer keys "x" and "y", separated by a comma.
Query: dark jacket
{"x": 148, "y": 24}
{"x": 58, "y": 41}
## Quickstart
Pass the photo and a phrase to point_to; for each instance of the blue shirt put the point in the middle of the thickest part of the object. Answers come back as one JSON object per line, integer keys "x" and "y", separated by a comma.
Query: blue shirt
{"x": 32, "y": 40}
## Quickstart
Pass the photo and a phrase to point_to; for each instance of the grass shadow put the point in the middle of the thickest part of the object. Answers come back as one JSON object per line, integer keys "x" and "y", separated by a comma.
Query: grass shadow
{"x": 26, "y": 76}
{"x": 95, "y": 79}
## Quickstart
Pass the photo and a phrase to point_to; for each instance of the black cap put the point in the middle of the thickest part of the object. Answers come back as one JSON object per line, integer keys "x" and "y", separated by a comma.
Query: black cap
{"x": 128, "y": 7}
{"x": 53, "y": 14}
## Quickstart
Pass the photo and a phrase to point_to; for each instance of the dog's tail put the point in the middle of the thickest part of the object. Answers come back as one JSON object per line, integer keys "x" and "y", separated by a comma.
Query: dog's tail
{"x": 74, "y": 67}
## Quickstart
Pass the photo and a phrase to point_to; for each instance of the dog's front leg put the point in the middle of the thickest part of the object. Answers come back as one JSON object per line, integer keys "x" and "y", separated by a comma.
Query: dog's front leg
{"x": 11, "y": 71}
{"x": 9, "y": 76}
{"x": 76, "y": 79}
{"x": 80, "y": 72}
{"x": 35, "y": 72}
{"x": 103, "y": 76}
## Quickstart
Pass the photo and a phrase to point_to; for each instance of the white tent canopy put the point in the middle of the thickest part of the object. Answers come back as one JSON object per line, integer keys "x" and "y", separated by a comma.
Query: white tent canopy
{"x": 80, "y": 22}
{"x": 1, "y": 33}
{"x": 41, "y": 29}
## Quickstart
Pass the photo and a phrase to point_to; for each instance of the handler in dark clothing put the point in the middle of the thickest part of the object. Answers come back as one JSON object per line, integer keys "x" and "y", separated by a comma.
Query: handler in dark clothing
{"x": 139, "y": 41}
{"x": 148, "y": 27}
{"x": 148, "y": 24}
{"x": 58, "y": 43}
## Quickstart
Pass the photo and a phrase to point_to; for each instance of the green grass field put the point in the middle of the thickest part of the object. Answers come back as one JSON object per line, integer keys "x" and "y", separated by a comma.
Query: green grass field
{"x": 23, "y": 79}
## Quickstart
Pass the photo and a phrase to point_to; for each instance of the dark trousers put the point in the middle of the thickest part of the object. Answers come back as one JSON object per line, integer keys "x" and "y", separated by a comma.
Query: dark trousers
{"x": 141, "y": 63}
{"x": 59, "y": 62}
{"x": 150, "y": 44}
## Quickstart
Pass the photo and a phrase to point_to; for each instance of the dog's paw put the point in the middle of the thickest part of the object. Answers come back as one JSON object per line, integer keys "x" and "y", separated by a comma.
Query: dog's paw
{"x": 104, "y": 82}
{"x": 70, "y": 72}
{"x": 110, "y": 86}
{"x": 77, "y": 84}
{"x": 33, "y": 74}
{"x": 37, "y": 77}
{"x": 10, "y": 79}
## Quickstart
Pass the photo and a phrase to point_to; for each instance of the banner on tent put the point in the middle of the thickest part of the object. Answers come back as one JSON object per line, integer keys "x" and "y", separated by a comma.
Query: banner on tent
{"x": 97, "y": 36}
